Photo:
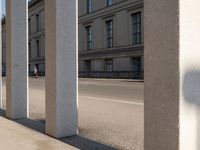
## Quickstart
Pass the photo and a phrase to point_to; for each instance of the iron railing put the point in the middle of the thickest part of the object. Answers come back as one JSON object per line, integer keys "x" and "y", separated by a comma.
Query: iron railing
{"x": 113, "y": 74}
{"x": 105, "y": 74}
{"x": 40, "y": 73}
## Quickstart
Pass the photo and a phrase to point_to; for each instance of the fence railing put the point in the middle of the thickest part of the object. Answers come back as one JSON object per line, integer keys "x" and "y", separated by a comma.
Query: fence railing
{"x": 103, "y": 74}
{"x": 113, "y": 74}
{"x": 41, "y": 73}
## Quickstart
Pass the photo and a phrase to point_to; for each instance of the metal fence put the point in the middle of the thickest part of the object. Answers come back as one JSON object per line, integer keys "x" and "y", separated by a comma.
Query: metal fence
{"x": 40, "y": 73}
{"x": 113, "y": 74}
{"x": 103, "y": 74}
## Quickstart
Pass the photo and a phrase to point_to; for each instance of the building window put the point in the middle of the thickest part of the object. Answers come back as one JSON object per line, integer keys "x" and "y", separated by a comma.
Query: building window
{"x": 89, "y": 37}
{"x": 88, "y": 65}
{"x": 38, "y": 47}
{"x": 89, "y": 6}
{"x": 137, "y": 68}
{"x": 109, "y": 65}
{"x": 109, "y": 33}
{"x": 29, "y": 49}
{"x": 29, "y": 69}
{"x": 29, "y": 25}
{"x": 136, "y": 64}
{"x": 136, "y": 25}
{"x": 109, "y": 2}
{"x": 37, "y": 22}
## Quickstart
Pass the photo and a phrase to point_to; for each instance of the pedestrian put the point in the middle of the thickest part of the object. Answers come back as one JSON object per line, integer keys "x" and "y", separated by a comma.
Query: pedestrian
{"x": 35, "y": 72}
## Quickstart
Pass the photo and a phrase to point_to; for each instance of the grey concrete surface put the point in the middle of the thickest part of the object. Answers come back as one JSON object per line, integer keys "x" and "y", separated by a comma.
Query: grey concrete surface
{"x": 14, "y": 136}
{"x": 61, "y": 61}
{"x": 16, "y": 59}
{"x": 110, "y": 113}
{"x": 172, "y": 104}
{"x": 1, "y": 56}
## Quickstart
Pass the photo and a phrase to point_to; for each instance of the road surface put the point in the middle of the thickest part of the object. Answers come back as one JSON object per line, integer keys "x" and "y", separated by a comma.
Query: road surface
{"x": 110, "y": 112}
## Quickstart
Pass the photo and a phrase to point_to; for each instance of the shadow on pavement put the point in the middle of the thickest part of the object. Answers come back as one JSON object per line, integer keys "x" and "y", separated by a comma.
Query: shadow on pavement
{"x": 75, "y": 141}
{"x": 85, "y": 144}
{"x": 32, "y": 124}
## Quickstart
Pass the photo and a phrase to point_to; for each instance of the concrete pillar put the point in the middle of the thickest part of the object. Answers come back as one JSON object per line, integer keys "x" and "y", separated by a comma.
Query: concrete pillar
{"x": 61, "y": 67}
{"x": 1, "y": 50}
{"x": 172, "y": 75}
{"x": 16, "y": 59}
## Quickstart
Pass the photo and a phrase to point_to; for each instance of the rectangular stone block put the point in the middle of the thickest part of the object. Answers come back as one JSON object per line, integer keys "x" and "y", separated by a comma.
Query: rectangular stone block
{"x": 1, "y": 50}
{"x": 61, "y": 67}
{"x": 172, "y": 75}
{"x": 16, "y": 59}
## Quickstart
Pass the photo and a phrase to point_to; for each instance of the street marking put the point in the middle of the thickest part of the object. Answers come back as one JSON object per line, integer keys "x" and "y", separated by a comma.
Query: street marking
{"x": 111, "y": 84}
{"x": 112, "y": 100}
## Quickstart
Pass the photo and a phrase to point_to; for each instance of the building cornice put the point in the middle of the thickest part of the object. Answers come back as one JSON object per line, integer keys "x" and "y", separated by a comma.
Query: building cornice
{"x": 33, "y": 2}
{"x": 135, "y": 50}
{"x": 126, "y": 5}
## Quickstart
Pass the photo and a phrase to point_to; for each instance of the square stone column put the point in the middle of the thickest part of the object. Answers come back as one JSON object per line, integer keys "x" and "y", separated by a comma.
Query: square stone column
{"x": 61, "y": 67}
{"x": 172, "y": 74}
{"x": 1, "y": 50}
{"x": 16, "y": 59}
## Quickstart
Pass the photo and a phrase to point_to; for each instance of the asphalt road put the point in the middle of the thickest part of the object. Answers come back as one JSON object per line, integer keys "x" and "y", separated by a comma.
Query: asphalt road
{"x": 110, "y": 113}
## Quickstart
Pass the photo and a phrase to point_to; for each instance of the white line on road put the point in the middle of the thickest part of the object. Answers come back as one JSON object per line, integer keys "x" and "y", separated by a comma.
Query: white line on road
{"x": 110, "y": 84}
{"x": 111, "y": 100}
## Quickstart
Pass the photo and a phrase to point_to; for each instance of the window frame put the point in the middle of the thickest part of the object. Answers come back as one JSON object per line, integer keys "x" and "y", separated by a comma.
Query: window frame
{"x": 88, "y": 66}
{"x": 109, "y": 3}
{"x": 38, "y": 47}
{"x": 88, "y": 37}
{"x": 109, "y": 33}
{"x": 136, "y": 28}
{"x": 89, "y": 6}
{"x": 29, "y": 25}
{"x": 29, "y": 49}
{"x": 37, "y": 22}
{"x": 108, "y": 65}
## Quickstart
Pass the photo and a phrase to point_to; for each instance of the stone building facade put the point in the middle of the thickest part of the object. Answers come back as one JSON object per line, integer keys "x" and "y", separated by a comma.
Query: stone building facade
{"x": 36, "y": 45}
{"x": 36, "y": 36}
{"x": 110, "y": 38}
{"x": 3, "y": 46}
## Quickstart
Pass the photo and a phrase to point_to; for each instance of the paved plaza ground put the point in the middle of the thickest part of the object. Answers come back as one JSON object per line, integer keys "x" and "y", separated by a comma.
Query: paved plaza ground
{"x": 15, "y": 136}
{"x": 110, "y": 113}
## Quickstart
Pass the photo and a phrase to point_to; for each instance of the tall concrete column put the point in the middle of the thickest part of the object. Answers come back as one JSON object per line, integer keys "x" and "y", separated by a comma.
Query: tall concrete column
{"x": 16, "y": 59}
{"x": 61, "y": 67}
{"x": 1, "y": 50}
{"x": 172, "y": 75}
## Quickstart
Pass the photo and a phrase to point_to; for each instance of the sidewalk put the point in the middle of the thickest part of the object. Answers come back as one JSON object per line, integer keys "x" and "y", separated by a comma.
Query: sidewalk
{"x": 15, "y": 136}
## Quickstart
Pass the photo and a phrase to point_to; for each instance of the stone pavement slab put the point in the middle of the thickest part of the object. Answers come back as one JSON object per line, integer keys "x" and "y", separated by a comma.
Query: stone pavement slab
{"x": 14, "y": 136}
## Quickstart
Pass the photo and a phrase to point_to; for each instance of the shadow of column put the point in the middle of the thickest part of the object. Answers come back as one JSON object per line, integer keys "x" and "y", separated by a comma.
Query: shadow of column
{"x": 191, "y": 94}
{"x": 75, "y": 141}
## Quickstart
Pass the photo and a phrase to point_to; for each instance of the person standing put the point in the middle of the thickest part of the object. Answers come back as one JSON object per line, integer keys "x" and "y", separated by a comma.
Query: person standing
{"x": 35, "y": 72}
